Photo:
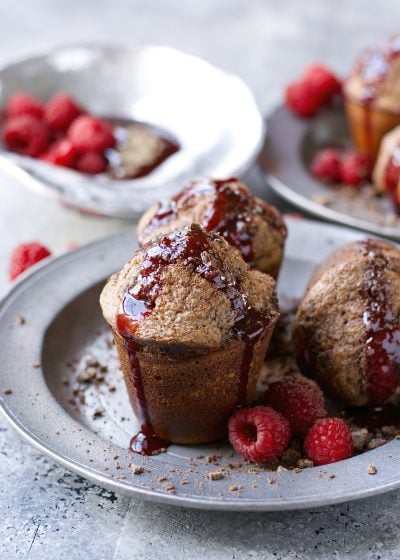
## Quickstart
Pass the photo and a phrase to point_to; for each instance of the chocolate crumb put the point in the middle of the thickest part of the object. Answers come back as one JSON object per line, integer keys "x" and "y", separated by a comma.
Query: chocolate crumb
{"x": 21, "y": 320}
{"x": 112, "y": 388}
{"x": 291, "y": 456}
{"x": 331, "y": 475}
{"x": 216, "y": 475}
{"x": 136, "y": 469}
{"x": 87, "y": 375}
{"x": 235, "y": 465}
{"x": 359, "y": 438}
{"x": 65, "y": 381}
{"x": 372, "y": 469}
{"x": 162, "y": 478}
{"x": 170, "y": 488}
{"x": 305, "y": 464}
{"x": 98, "y": 412}
{"x": 7, "y": 391}
{"x": 234, "y": 488}
{"x": 36, "y": 365}
{"x": 211, "y": 459}
{"x": 184, "y": 481}
{"x": 116, "y": 457}
{"x": 271, "y": 480}
{"x": 376, "y": 442}
{"x": 297, "y": 470}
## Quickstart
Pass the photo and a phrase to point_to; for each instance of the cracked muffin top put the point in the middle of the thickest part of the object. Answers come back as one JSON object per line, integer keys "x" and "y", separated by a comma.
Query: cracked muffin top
{"x": 375, "y": 78}
{"x": 188, "y": 289}
{"x": 256, "y": 229}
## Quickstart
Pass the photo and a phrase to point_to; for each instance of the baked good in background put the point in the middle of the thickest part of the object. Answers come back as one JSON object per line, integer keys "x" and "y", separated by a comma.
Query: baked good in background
{"x": 372, "y": 95}
{"x": 229, "y": 208}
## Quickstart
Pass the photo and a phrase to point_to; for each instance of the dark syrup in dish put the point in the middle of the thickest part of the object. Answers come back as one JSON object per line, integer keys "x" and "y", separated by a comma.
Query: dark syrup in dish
{"x": 160, "y": 146}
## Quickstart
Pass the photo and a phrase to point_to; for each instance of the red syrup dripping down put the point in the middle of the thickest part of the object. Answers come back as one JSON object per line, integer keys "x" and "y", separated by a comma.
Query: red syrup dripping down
{"x": 192, "y": 247}
{"x": 382, "y": 327}
{"x": 231, "y": 214}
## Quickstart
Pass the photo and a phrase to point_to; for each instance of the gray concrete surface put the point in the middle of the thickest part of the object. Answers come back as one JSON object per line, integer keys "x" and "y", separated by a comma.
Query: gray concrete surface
{"x": 50, "y": 513}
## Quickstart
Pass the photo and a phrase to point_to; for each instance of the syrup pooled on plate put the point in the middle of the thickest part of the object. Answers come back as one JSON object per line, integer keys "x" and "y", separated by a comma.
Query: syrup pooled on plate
{"x": 193, "y": 247}
{"x": 382, "y": 327}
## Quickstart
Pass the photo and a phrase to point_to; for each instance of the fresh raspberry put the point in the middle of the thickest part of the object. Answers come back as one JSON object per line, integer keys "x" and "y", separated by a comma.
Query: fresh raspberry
{"x": 92, "y": 163}
{"x": 61, "y": 111}
{"x": 323, "y": 80}
{"x": 23, "y": 104}
{"x": 260, "y": 434}
{"x": 299, "y": 399}
{"x": 302, "y": 99}
{"x": 24, "y": 256}
{"x": 61, "y": 153}
{"x": 328, "y": 441}
{"x": 355, "y": 169}
{"x": 89, "y": 134}
{"x": 326, "y": 165}
{"x": 26, "y": 135}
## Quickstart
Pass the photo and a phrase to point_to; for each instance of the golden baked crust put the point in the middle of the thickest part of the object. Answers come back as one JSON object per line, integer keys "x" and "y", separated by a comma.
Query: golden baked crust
{"x": 258, "y": 230}
{"x": 329, "y": 331}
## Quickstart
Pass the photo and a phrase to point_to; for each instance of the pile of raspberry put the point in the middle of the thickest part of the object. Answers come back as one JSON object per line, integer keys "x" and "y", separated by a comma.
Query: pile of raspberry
{"x": 317, "y": 87}
{"x": 59, "y": 132}
{"x": 332, "y": 165}
{"x": 295, "y": 406}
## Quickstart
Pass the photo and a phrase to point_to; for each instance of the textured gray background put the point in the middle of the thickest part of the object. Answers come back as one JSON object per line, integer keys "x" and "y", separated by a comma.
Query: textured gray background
{"x": 47, "y": 512}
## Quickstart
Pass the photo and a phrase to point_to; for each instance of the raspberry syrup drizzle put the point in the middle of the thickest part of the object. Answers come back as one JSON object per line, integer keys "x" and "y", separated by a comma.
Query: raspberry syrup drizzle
{"x": 192, "y": 247}
{"x": 231, "y": 213}
{"x": 382, "y": 327}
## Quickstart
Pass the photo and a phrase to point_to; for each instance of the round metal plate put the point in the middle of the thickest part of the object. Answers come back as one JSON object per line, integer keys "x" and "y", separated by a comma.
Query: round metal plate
{"x": 63, "y": 323}
{"x": 211, "y": 113}
{"x": 290, "y": 145}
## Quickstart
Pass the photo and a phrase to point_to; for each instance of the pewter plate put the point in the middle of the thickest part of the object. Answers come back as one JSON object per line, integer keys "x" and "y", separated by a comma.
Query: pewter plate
{"x": 290, "y": 146}
{"x": 59, "y": 302}
{"x": 211, "y": 113}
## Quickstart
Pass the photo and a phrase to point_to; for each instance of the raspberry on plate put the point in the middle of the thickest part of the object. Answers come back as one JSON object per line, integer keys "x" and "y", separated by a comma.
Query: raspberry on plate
{"x": 299, "y": 399}
{"x": 61, "y": 111}
{"x": 26, "y": 135}
{"x": 329, "y": 441}
{"x": 92, "y": 163}
{"x": 24, "y": 104}
{"x": 326, "y": 165}
{"x": 355, "y": 169}
{"x": 302, "y": 99}
{"x": 61, "y": 153}
{"x": 324, "y": 80}
{"x": 259, "y": 434}
{"x": 24, "y": 256}
{"x": 89, "y": 134}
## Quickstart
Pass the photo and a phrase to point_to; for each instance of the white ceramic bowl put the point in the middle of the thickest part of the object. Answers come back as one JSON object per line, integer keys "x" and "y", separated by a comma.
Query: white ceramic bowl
{"x": 212, "y": 114}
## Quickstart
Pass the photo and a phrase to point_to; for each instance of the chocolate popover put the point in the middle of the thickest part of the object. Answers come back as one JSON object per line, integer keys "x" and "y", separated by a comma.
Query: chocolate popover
{"x": 372, "y": 95}
{"x": 347, "y": 329}
{"x": 226, "y": 207}
{"x": 191, "y": 323}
